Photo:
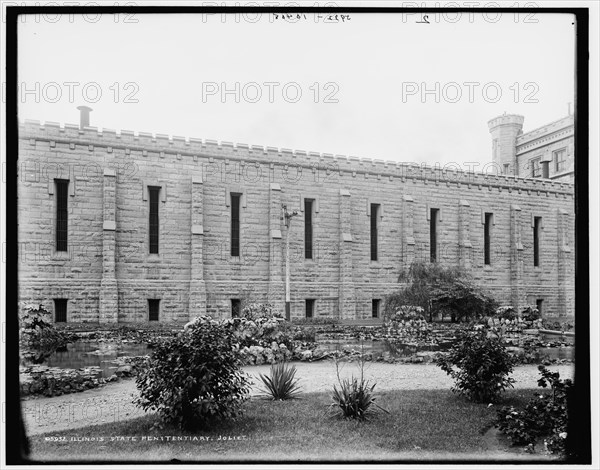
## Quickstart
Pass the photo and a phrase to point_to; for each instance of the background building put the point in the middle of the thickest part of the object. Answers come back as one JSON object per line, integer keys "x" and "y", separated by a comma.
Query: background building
{"x": 546, "y": 152}
{"x": 124, "y": 227}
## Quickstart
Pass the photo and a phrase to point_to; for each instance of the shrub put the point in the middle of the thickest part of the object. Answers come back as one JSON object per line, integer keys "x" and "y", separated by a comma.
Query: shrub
{"x": 269, "y": 354}
{"x": 261, "y": 331}
{"x": 262, "y": 325}
{"x": 264, "y": 336}
{"x": 305, "y": 334}
{"x": 282, "y": 384}
{"x": 410, "y": 330}
{"x": 506, "y": 312}
{"x": 545, "y": 415}
{"x": 195, "y": 377}
{"x": 254, "y": 311}
{"x": 403, "y": 313}
{"x": 479, "y": 364}
{"x": 38, "y": 337}
{"x": 530, "y": 313}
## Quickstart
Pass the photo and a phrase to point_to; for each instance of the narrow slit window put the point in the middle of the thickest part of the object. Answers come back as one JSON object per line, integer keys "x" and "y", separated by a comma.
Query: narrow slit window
{"x": 433, "y": 228}
{"x": 310, "y": 308}
{"x": 537, "y": 225}
{"x": 153, "y": 309}
{"x": 62, "y": 214}
{"x": 308, "y": 228}
{"x": 375, "y": 308}
{"x": 236, "y": 308}
{"x": 235, "y": 224}
{"x": 154, "y": 221}
{"x": 374, "y": 229}
{"x": 60, "y": 310}
{"x": 487, "y": 238}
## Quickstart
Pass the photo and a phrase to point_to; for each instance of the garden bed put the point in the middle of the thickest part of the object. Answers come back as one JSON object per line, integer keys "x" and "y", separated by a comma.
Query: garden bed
{"x": 410, "y": 341}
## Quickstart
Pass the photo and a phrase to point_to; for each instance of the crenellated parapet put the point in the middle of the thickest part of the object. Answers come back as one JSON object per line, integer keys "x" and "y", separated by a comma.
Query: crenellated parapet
{"x": 144, "y": 145}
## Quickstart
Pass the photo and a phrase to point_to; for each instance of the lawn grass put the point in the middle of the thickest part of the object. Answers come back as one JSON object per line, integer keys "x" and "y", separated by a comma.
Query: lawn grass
{"x": 422, "y": 424}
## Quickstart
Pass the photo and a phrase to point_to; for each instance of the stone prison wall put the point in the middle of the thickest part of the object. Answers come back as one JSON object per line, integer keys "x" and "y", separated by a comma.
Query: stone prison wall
{"x": 108, "y": 273}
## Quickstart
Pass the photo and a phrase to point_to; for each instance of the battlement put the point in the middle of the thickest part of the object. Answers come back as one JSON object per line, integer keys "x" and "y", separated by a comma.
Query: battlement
{"x": 144, "y": 143}
{"x": 506, "y": 119}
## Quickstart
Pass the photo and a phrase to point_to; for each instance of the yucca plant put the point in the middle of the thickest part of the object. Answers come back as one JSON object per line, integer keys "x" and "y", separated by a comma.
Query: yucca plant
{"x": 282, "y": 384}
{"x": 355, "y": 398}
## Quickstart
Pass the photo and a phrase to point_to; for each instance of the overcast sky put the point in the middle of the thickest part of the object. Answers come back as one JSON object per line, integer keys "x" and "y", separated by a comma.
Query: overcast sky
{"x": 361, "y": 80}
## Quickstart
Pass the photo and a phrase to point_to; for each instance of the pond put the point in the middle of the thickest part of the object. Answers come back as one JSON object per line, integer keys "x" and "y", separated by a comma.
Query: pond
{"x": 400, "y": 349}
{"x": 100, "y": 354}
{"x": 378, "y": 348}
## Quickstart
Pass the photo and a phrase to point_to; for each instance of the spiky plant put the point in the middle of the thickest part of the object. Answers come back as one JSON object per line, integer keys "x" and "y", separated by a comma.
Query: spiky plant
{"x": 355, "y": 398}
{"x": 282, "y": 384}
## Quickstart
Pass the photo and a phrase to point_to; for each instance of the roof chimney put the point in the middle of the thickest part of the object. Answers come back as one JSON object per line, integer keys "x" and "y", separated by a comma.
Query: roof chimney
{"x": 84, "y": 116}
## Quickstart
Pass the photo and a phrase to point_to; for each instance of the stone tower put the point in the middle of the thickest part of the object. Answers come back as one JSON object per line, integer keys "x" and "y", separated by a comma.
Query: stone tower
{"x": 504, "y": 130}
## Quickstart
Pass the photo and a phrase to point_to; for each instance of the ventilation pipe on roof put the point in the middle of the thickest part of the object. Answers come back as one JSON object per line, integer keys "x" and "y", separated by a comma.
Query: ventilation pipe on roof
{"x": 84, "y": 116}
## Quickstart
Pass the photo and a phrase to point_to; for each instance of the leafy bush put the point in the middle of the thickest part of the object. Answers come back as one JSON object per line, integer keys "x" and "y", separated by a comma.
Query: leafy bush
{"x": 479, "y": 364}
{"x": 410, "y": 330}
{"x": 545, "y": 415}
{"x": 195, "y": 377}
{"x": 506, "y": 312}
{"x": 282, "y": 384}
{"x": 262, "y": 325}
{"x": 305, "y": 334}
{"x": 254, "y": 311}
{"x": 269, "y": 354}
{"x": 403, "y": 313}
{"x": 440, "y": 290}
{"x": 530, "y": 313}
{"x": 264, "y": 336}
{"x": 38, "y": 337}
{"x": 261, "y": 331}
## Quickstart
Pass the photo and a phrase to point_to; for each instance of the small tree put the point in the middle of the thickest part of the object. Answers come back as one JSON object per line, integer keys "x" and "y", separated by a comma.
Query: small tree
{"x": 195, "y": 377}
{"x": 439, "y": 289}
{"x": 463, "y": 300}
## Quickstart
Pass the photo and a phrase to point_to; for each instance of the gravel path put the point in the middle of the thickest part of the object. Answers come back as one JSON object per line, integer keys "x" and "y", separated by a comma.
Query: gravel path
{"x": 114, "y": 401}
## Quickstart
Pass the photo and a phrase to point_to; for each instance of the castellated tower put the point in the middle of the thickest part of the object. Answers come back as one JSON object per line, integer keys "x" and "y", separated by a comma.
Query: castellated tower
{"x": 505, "y": 129}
